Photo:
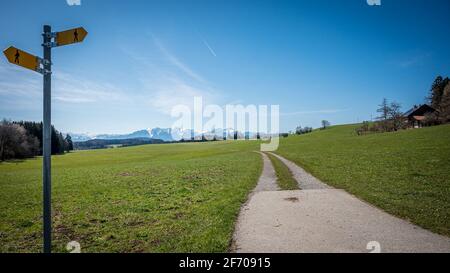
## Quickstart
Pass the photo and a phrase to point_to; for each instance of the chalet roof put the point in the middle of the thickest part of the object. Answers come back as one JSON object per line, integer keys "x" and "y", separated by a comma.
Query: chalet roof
{"x": 419, "y": 110}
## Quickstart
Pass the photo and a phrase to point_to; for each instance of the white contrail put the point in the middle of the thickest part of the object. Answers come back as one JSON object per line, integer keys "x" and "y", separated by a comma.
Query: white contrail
{"x": 175, "y": 61}
{"x": 209, "y": 47}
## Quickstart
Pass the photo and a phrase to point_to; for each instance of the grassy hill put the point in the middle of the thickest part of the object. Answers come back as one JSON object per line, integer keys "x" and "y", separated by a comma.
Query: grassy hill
{"x": 154, "y": 198}
{"x": 186, "y": 197}
{"x": 406, "y": 173}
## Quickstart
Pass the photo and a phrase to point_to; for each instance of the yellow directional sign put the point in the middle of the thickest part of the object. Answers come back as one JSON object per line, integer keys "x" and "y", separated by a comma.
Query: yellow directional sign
{"x": 22, "y": 58}
{"x": 71, "y": 36}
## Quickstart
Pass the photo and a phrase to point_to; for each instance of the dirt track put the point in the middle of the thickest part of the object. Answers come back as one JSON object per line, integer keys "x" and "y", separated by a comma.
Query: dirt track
{"x": 320, "y": 219}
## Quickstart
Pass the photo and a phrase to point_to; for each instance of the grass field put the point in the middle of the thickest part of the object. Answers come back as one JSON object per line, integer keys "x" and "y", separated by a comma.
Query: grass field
{"x": 285, "y": 180}
{"x": 406, "y": 173}
{"x": 154, "y": 198}
{"x": 186, "y": 197}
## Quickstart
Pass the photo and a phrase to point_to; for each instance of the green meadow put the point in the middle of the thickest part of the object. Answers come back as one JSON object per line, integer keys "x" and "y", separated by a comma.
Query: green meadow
{"x": 186, "y": 197}
{"x": 406, "y": 173}
{"x": 154, "y": 198}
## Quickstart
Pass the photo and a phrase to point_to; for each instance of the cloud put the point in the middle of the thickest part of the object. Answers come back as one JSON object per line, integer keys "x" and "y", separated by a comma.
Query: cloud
{"x": 73, "y": 2}
{"x": 163, "y": 87}
{"x": 19, "y": 87}
{"x": 312, "y": 112}
{"x": 176, "y": 62}
{"x": 171, "y": 94}
{"x": 163, "y": 90}
{"x": 71, "y": 89}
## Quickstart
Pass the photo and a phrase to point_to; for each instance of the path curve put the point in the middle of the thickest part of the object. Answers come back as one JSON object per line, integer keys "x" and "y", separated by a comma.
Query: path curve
{"x": 305, "y": 180}
{"x": 324, "y": 220}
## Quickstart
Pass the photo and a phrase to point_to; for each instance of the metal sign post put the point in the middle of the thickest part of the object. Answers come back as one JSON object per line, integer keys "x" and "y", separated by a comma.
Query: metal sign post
{"x": 44, "y": 66}
{"x": 47, "y": 139}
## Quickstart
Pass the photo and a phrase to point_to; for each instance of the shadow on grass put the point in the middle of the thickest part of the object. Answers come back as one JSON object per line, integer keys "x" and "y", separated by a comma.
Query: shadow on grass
{"x": 15, "y": 161}
{"x": 22, "y": 160}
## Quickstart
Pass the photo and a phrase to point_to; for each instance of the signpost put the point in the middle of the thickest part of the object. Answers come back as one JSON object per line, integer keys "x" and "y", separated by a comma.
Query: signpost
{"x": 44, "y": 67}
{"x": 71, "y": 36}
{"x": 22, "y": 58}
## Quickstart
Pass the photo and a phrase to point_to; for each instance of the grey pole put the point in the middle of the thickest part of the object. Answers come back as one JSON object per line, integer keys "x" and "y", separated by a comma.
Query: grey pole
{"x": 47, "y": 140}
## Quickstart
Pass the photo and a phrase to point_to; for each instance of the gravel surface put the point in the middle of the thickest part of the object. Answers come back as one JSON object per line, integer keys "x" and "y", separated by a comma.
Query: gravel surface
{"x": 326, "y": 221}
{"x": 305, "y": 180}
{"x": 319, "y": 219}
{"x": 268, "y": 179}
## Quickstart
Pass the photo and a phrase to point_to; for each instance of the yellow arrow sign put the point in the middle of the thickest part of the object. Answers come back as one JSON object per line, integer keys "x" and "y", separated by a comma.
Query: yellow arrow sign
{"x": 22, "y": 58}
{"x": 71, "y": 36}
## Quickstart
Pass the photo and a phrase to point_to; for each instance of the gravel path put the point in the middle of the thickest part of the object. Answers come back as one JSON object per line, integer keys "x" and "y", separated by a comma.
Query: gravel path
{"x": 268, "y": 179}
{"x": 305, "y": 180}
{"x": 319, "y": 219}
{"x": 326, "y": 221}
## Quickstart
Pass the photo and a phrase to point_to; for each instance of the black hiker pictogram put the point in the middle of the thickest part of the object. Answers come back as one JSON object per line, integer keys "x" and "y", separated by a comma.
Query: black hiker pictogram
{"x": 17, "y": 56}
{"x": 75, "y": 36}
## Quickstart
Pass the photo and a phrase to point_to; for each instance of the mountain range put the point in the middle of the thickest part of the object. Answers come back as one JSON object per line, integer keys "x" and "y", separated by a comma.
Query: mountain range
{"x": 156, "y": 133}
{"x": 164, "y": 134}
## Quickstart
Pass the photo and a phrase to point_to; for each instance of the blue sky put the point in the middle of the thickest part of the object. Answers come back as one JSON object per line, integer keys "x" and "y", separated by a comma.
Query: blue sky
{"x": 318, "y": 59}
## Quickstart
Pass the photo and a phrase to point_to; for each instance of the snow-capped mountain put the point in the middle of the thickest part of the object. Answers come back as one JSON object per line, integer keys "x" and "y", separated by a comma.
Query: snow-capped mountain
{"x": 81, "y": 137}
{"x": 137, "y": 134}
{"x": 159, "y": 133}
{"x": 85, "y": 137}
{"x": 155, "y": 133}
{"x": 165, "y": 134}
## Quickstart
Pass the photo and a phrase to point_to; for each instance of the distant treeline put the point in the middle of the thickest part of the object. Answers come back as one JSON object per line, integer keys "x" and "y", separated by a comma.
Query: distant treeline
{"x": 108, "y": 143}
{"x": 118, "y": 143}
{"x": 23, "y": 139}
{"x": 302, "y": 131}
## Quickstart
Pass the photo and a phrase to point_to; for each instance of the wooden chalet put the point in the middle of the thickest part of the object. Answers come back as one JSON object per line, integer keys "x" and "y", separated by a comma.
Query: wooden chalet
{"x": 415, "y": 116}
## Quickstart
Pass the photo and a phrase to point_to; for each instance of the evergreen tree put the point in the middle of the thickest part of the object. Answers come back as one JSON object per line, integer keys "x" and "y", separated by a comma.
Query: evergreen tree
{"x": 31, "y": 141}
{"x": 436, "y": 92}
{"x": 439, "y": 99}
{"x": 445, "y": 105}
{"x": 57, "y": 142}
{"x": 69, "y": 143}
{"x": 62, "y": 144}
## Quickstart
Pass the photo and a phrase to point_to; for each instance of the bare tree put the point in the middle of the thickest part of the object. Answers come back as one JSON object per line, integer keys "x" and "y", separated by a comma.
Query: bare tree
{"x": 395, "y": 115}
{"x": 325, "y": 124}
{"x": 15, "y": 142}
{"x": 9, "y": 139}
{"x": 384, "y": 110}
{"x": 5, "y": 137}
